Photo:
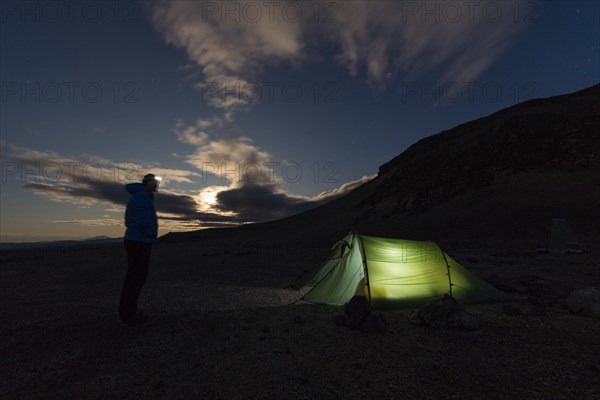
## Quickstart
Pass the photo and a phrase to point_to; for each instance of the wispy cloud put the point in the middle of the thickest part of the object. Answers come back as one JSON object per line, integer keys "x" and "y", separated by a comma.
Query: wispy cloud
{"x": 247, "y": 198}
{"x": 422, "y": 40}
{"x": 386, "y": 39}
{"x": 90, "y": 222}
{"x": 91, "y": 180}
{"x": 228, "y": 52}
{"x": 49, "y": 166}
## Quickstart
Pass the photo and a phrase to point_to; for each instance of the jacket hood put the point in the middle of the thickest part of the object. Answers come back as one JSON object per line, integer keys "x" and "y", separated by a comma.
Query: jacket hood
{"x": 133, "y": 188}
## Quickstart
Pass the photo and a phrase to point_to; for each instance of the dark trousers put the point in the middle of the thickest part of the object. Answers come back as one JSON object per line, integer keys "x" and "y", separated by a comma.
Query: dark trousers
{"x": 138, "y": 260}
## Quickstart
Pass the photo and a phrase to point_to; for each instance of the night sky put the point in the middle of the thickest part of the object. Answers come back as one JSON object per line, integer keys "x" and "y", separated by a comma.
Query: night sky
{"x": 252, "y": 111}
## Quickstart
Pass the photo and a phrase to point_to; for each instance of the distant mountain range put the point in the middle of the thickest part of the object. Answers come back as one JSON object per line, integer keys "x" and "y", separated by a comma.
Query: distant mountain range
{"x": 95, "y": 240}
{"x": 502, "y": 176}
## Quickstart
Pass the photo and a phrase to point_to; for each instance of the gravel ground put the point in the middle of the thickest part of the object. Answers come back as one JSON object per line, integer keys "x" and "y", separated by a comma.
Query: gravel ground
{"x": 223, "y": 326}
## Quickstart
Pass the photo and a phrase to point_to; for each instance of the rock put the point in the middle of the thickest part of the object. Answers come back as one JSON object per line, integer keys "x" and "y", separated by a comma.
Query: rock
{"x": 357, "y": 310}
{"x": 374, "y": 323}
{"x": 585, "y": 301}
{"x": 445, "y": 313}
{"x": 340, "y": 320}
{"x": 358, "y": 315}
{"x": 414, "y": 318}
{"x": 511, "y": 309}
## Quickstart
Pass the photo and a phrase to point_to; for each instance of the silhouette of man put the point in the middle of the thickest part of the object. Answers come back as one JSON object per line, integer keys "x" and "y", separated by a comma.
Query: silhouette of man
{"x": 141, "y": 233}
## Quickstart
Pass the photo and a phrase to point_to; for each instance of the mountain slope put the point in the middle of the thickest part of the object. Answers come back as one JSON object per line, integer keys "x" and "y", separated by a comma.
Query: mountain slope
{"x": 503, "y": 176}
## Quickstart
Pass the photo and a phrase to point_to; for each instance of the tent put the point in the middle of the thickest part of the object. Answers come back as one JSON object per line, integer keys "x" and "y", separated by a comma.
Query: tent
{"x": 391, "y": 273}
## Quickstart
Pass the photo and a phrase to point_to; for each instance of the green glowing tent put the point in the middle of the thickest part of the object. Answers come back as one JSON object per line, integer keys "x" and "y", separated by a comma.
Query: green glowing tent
{"x": 391, "y": 273}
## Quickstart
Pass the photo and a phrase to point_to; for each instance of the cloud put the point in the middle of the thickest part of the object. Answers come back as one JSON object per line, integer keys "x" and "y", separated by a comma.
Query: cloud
{"x": 169, "y": 206}
{"x": 228, "y": 52}
{"x": 345, "y": 188}
{"x": 451, "y": 41}
{"x": 172, "y": 175}
{"x": 259, "y": 202}
{"x": 91, "y": 222}
{"x": 385, "y": 39}
{"x": 455, "y": 44}
{"x": 215, "y": 120}
{"x": 254, "y": 193}
{"x": 37, "y": 166}
{"x": 84, "y": 183}
{"x": 267, "y": 202}
{"x": 81, "y": 193}
{"x": 244, "y": 200}
{"x": 236, "y": 158}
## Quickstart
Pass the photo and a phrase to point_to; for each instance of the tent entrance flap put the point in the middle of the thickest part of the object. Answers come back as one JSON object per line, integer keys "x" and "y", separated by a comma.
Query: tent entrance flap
{"x": 342, "y": 281}
{"x": 393, "y": 273}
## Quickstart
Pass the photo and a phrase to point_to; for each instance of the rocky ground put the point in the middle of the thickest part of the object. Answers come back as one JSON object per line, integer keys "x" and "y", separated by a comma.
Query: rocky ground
{"x": 223, "y": 326}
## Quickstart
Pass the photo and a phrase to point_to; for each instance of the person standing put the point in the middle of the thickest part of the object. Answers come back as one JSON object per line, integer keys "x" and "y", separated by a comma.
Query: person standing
{"x": 142, "y": 231}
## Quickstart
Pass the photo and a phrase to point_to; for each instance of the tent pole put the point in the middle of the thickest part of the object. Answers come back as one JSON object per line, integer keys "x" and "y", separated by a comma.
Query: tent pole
{"x": 448, "y": 268}
{"x": 364, "y": 259}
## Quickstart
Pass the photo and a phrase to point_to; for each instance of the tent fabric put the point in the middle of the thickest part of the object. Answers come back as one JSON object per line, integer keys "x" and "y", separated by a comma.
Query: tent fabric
{"x": 391, "y": 273}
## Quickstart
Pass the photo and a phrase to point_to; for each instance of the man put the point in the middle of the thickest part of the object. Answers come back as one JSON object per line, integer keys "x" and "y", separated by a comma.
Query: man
{"x": 141, "y": 233}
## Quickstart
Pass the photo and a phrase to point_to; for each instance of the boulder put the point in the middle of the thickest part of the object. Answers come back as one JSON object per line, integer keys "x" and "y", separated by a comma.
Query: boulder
{"x": 585, "y": 302}
{"x": 414, "y": 318}
{"x": 444, "y": 313}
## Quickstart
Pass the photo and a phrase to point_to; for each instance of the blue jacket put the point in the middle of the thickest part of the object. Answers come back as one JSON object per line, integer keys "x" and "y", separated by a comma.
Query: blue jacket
{"x": 140, "y": 215}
